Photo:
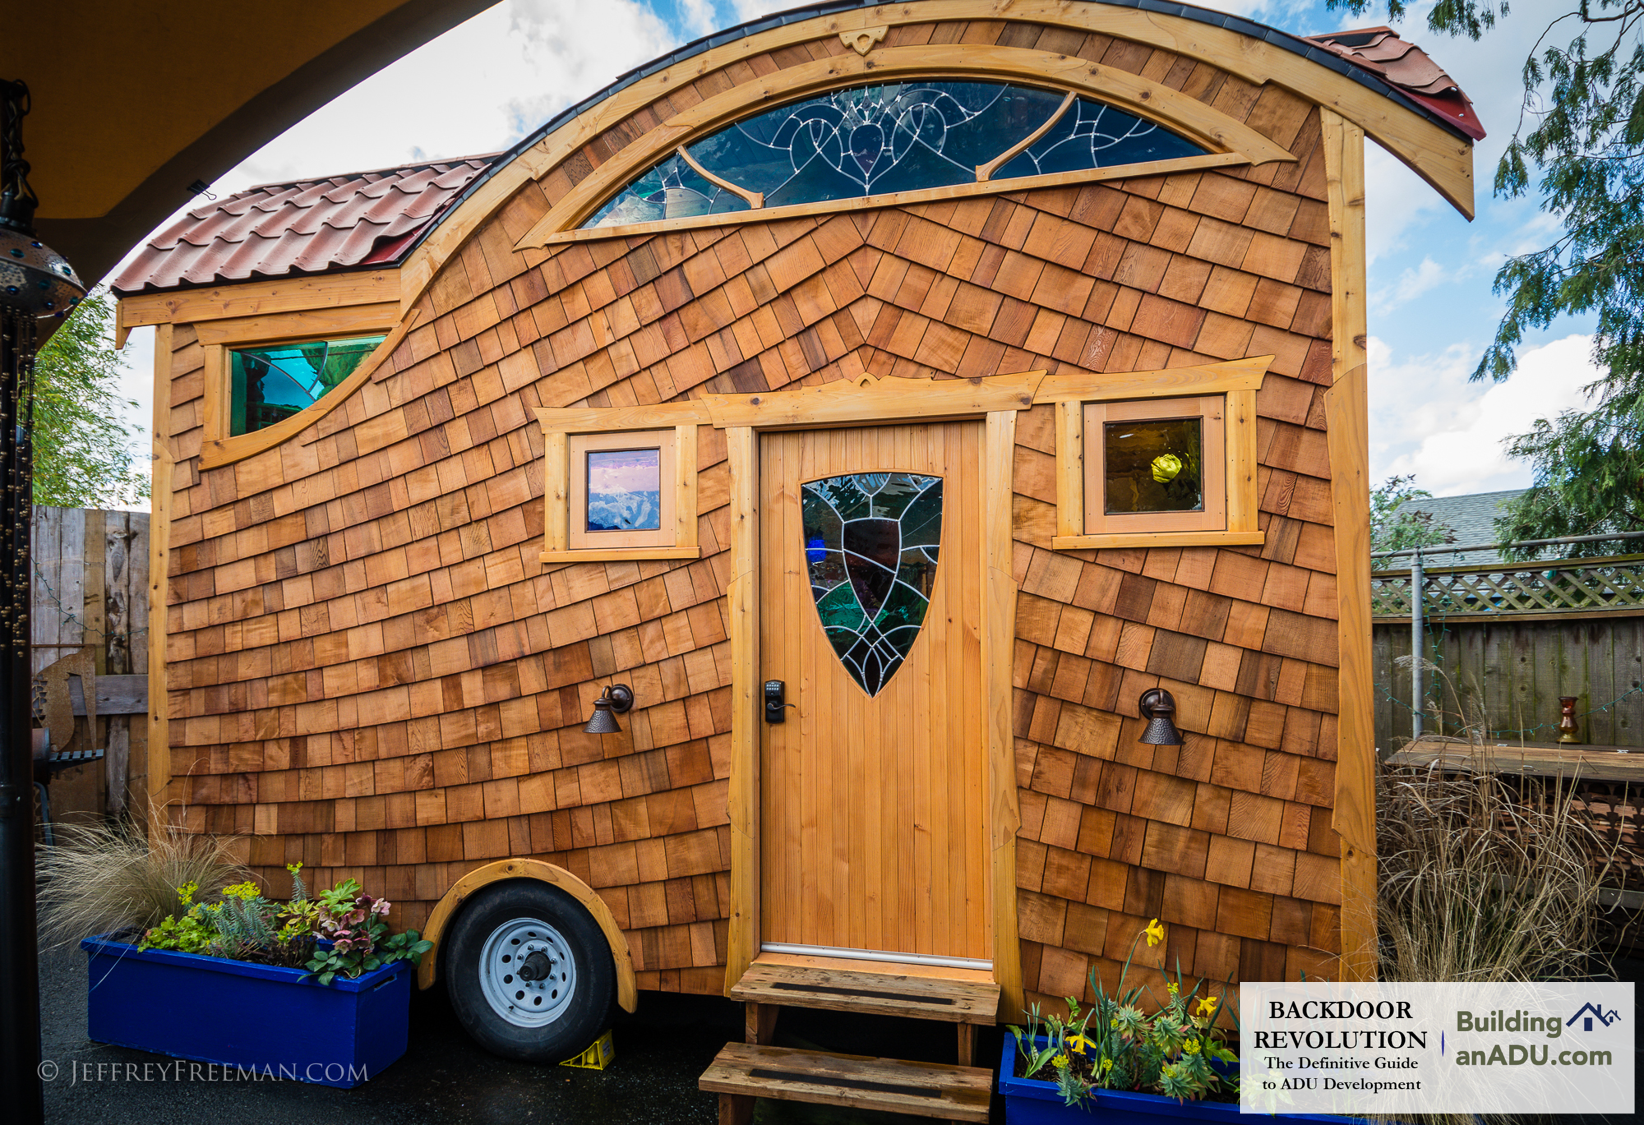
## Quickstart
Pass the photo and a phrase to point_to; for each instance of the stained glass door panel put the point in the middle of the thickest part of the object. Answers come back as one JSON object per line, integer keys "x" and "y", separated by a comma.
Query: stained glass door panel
{"x": 873, "y": 818}
{"x": 871, "y": 544}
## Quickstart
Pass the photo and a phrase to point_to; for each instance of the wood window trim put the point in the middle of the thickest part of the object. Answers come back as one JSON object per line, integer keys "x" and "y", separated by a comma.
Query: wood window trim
{"x": 218, "y": 337}
{"x": 666, "y": 442}
{"x": 1209, "y": 409}
{"x": 1237, "y": 380}
{"x": 560, "y": 428}
{"x": 1225, "y": 138}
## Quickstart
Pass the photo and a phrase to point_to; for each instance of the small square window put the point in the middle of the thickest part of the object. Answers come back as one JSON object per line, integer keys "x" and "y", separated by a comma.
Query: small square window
{"x": 622, "y": 489}
{"x": 1137, "y": 467}
{"x": 1155, "y": 465}
{"x": 627, "y": 494}
{"x": 269, "y": 384}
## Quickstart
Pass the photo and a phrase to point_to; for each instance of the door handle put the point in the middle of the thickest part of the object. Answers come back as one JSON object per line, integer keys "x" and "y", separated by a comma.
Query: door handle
{"x": 776, "y": 701}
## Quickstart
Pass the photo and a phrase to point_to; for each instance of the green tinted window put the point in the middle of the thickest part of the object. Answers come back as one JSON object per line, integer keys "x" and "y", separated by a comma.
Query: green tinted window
{"x": 890, "y": 137}
{"x": 1153, "y": 466}
{"x": 270, "y": 384}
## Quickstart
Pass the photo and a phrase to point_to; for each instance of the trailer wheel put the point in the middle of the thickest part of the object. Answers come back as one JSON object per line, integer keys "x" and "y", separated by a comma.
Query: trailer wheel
{"x": 529, "y": 972}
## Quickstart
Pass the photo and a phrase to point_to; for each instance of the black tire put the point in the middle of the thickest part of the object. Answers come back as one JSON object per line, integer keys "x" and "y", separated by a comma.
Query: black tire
{"x": 515, "y": 1017}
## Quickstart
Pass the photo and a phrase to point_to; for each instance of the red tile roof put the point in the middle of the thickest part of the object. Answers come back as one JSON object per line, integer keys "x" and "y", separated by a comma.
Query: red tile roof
{"x": 325, "y": 225}
{"x": 1406, "y": 66}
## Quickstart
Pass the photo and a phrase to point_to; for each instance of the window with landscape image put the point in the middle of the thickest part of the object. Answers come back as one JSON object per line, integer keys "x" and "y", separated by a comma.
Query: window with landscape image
{"x": 624, "y": 490}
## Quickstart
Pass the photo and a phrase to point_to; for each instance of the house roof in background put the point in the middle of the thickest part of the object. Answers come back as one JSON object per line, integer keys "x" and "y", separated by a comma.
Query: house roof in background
{"x": 1472, "y": 519}
{"x": 1407, "y": 67}
{"x": 324, "y": 225}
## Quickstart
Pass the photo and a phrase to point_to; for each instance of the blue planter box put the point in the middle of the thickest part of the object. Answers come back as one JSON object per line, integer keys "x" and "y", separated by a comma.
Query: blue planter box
{"x": 1029, "y": 1101}
{"x": 238, "y": 1014}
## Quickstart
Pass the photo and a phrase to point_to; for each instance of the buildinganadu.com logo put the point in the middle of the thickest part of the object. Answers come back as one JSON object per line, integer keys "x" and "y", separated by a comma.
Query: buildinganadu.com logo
{"x": 1513, "y": 1052}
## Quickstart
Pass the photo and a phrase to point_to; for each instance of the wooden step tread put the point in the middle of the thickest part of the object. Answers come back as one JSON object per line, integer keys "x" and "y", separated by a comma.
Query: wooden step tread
{"x": 889, "y": 994}
{"x": 958, "y": 1093}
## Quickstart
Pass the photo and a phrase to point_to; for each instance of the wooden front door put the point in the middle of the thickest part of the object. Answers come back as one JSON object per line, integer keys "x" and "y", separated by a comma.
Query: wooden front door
{"x": 873, "y": 833}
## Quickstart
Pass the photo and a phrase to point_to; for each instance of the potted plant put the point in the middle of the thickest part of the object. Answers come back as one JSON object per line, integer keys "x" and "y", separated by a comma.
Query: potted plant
{"x": 1113, "y": 1061}
{"x": 315, "y": 990}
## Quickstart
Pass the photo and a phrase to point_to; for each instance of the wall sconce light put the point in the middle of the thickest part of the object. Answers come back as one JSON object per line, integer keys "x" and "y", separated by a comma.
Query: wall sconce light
{"x": 617, "y": 699}
{"x": 1157, "y": 706}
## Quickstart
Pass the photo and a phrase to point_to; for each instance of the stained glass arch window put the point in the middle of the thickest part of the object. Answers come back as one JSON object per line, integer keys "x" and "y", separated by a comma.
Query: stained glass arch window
{"x": 871, "y": 545}
{"x": 889, "y": 137}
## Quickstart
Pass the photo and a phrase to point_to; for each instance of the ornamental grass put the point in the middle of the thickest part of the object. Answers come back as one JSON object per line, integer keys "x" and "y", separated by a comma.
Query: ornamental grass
{"x": 104, "y": 878}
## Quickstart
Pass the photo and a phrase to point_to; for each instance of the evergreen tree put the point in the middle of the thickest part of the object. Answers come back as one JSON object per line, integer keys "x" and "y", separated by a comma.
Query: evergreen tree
{"x": 1579, "y": 143}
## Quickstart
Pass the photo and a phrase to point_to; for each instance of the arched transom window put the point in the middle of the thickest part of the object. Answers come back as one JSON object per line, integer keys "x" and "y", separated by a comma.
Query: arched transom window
{"x": 889, "y": 137}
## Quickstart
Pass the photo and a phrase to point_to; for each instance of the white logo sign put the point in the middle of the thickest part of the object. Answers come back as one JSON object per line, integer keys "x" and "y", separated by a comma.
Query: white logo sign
{"x": 1436, "y": 1048}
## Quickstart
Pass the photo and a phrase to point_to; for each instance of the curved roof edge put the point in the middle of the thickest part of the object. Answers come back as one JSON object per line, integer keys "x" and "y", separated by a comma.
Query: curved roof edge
{"x": 1312, "y": 51}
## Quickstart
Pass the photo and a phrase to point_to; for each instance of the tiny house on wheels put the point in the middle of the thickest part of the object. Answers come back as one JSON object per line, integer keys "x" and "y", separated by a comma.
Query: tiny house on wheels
{"x": 723, "y": 544}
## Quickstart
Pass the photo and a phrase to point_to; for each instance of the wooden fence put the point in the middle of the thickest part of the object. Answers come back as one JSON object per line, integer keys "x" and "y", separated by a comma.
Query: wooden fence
{"x": 1512, "y": 639}
{"x": 90, "y": 607}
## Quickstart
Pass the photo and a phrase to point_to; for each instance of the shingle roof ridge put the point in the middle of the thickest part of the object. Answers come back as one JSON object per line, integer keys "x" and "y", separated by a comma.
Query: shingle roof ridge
{"x": 344, "y": 177}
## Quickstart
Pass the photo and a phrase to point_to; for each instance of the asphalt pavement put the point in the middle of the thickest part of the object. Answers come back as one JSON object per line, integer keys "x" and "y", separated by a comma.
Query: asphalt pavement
{"x": 445, "y": 1078}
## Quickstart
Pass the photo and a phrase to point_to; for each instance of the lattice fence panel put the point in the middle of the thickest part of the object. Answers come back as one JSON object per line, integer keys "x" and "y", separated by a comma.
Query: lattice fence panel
{"x": 1573, "y": 586}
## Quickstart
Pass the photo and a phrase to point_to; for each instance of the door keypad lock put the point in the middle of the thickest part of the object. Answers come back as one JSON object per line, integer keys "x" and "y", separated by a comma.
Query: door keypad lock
{"x": 776, "y": 701}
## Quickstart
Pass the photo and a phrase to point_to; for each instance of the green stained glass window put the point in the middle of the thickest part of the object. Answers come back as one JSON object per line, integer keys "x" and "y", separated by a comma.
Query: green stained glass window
{"x": 871, "y": 541}
{"x": 890, "y": 137}
{"x": 270, "y": 384}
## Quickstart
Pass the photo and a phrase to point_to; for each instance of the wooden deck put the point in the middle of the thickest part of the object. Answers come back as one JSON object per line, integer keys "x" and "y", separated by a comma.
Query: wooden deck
{"x": 1530, "y": 759}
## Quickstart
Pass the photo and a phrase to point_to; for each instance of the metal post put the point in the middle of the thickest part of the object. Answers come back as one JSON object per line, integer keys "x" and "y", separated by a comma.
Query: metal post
{"x": 19, "y": 958}
{"x": 38, "y": 283}
{"x": 1418, "y": 647}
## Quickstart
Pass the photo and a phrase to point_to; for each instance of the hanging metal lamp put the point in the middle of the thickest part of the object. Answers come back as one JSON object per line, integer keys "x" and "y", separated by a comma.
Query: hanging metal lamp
{"x": 1156, "y": 706}
{"x": 35, "y": 280}
{"x": 616, "y": 699}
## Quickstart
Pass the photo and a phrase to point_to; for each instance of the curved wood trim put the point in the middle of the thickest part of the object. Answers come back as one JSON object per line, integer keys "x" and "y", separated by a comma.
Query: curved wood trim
{"x": 1443, "y": 160}
{"x": 1200, "y": 123}
{"x": 985, "y": 171}
{"x": 216, "y": 452}
{"x": 870, "y": 400}
{"x": 464, "y": 888}
{"x": 1171, "y": 382}
{"x": 901, "y": 198}
{"x": 754, "y": 199}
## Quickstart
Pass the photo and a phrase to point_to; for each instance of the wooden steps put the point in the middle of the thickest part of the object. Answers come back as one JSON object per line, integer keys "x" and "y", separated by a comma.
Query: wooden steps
{"x": 872, "y": 993}
{"x": 744, "y": 1071}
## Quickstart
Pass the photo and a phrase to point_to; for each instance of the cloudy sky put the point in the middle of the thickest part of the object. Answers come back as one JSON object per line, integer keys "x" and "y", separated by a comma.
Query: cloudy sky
{"x": 487, "y": 83}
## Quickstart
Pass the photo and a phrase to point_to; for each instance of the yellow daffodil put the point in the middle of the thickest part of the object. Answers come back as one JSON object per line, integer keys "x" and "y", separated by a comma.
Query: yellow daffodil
{"x": 1078, "y": 1044}
{"x": 1155, "y": 933}
{"x": 1207, "y": 1006}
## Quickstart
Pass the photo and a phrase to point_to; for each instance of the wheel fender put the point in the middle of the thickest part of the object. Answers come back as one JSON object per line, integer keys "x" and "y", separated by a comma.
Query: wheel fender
{"x": 481, "y": 877}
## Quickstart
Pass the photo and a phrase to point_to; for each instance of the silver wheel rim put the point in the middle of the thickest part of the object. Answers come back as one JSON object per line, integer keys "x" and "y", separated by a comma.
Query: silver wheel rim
{"x": 521, "y": 1002}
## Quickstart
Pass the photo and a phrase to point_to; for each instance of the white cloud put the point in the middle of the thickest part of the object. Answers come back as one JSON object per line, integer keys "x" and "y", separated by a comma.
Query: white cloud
{"x": 1427, "y": 419}
{"x": 1410, "y": 285}
{"x": 699, "y": 17}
